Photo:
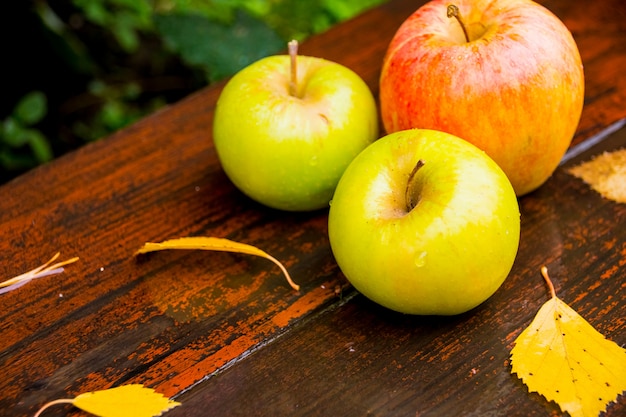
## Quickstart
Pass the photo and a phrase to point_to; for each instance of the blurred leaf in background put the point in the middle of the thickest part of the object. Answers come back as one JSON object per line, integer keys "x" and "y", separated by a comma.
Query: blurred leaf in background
{"x": 21, "y": 146}
{"x": 224, "y": 48}
{"x": 124, "y": 18}
{"x": 91, "y": 67}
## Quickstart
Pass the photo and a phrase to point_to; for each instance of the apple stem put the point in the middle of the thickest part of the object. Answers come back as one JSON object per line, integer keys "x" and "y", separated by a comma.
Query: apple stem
{"x": 408, "y": 194}
{"x": 293, "y": 53}
{"x": 453, "y": 11}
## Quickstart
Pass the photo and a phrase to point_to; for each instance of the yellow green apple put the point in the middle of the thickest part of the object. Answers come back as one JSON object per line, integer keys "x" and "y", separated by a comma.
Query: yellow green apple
{"x": 423, "y": 222}
{"x": 505, "y": 75}
{"x": 286, "y": 127}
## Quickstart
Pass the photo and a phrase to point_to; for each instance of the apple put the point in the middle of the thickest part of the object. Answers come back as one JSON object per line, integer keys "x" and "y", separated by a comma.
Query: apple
{"x": 423, "y": 222}
{"x": 286, "y": 127}
{"x": 505, "y": 75}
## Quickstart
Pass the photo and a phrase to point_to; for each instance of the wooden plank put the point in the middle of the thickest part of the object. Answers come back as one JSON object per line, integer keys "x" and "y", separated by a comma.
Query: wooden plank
{"x": 359, "y": 359}
{"x": 170, "y": 319}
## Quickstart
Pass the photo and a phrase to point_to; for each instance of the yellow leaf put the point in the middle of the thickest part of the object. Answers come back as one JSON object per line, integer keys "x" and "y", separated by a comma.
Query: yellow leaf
{"x": 215, "y": 244}
{"x": 125, "y": 401}
{"x": 606, "y": 174}
{"x": 39, "y": 272}
{"x": 562, "y": 357}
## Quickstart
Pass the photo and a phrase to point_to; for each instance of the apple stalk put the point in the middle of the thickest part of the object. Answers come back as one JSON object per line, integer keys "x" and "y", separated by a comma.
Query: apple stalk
{"x": 293, "y": 55}
{"x": 410, "y": 196}
{"x": 453, "y": 11}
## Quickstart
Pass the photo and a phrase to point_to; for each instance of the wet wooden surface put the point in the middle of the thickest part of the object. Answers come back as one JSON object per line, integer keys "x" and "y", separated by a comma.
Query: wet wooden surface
{"x": 223, "y": 333}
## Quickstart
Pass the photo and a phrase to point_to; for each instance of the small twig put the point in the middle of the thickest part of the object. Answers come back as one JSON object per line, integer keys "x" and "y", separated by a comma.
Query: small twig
{"x": 39, "y": 272}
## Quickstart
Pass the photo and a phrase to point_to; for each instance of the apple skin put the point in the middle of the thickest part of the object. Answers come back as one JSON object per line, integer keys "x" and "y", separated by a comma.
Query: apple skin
{"x": 288, "y": 152}
{"x": 516, "y": 90}
{"x": 448, "y": 254}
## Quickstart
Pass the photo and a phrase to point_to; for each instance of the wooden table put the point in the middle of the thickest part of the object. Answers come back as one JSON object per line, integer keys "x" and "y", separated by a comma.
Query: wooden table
{"x": 223, "y": 333}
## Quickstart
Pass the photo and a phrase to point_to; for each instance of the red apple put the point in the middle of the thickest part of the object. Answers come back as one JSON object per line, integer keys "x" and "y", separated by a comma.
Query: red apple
{"x": 505, "y": 75}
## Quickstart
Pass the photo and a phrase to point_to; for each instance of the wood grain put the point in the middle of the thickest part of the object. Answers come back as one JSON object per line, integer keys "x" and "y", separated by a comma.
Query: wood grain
{"x": 365, "y": 360}
{"x": 223, "y": 332}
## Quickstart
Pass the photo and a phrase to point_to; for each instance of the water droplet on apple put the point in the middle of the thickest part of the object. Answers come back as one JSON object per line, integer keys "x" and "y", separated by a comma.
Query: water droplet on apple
{"x": 420, "y": 261}
{"x": 313, "y": 161}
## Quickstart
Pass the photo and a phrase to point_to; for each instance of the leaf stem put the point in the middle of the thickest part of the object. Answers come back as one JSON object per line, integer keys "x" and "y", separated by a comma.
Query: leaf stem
{"x": 544, "y": 273}
{"x": 453, "y": 11}
{"x": 293, "y": 54}
{"x": 55, "y": 402}
{"x": 284, "y": 271}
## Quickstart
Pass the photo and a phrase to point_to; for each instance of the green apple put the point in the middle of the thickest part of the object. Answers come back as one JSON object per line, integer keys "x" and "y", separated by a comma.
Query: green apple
{"x": 505, "y": 75}
{"x": 423, "y": 222}
{"x": 287, "y": 126}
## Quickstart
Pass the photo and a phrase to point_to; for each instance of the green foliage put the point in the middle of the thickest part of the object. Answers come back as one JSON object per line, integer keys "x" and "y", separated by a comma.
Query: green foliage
{"x": 227, "y": 48}
{"x": 16, "y": 133}
{"x": 235, "y": 33}
{"x": 297, "y": 19}
{"x": 123, "y": 18}
{"x": 113, "y": 49}
{"x": 218, "y": 10}
{"x": 115, "y": 109}
{"x": 31, "y": 109}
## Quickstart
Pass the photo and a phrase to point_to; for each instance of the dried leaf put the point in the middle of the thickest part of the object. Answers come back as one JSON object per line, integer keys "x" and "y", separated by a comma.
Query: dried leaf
{"x": 606, "y": 174}
{"x": 562, "y": 357}
{"x": 39, "y": 272}
{"x": 215, "y": 244}
{"x": 125, "y": 401}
